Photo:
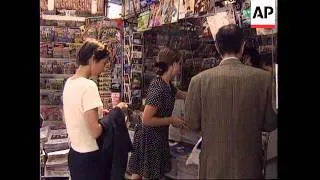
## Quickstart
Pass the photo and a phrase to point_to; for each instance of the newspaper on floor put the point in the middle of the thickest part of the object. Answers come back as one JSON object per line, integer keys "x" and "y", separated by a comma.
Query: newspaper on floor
{"x": 44, "y": 134}
{"x": 57, "y": 164}
{"x": 58, "y": 140}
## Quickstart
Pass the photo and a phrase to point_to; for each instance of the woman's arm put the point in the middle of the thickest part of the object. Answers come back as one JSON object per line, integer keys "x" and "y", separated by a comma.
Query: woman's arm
{"x": 94, "y": 126}
{"x": 148, "y": 119}
{"x": 91, "y": 101}
{"x": 181, "y": 94}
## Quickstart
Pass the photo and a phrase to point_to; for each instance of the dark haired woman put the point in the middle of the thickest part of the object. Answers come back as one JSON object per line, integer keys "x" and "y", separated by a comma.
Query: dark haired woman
{"x": 81, "y": 101}
{"x": 253, "y": 58}
{"x": 151, "y": 154}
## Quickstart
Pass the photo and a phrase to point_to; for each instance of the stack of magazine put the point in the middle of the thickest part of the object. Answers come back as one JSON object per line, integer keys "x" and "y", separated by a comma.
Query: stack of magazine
{"x": 180, "y": 153}
{"x": 57, "y": 164}
{"x": 58, "y": 140}
{"x": 44, "y": 134}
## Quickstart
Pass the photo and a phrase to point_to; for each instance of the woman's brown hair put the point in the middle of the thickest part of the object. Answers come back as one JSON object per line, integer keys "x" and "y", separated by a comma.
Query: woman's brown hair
{"x": 166, "y": 57}
{"x": 91, "y": 47}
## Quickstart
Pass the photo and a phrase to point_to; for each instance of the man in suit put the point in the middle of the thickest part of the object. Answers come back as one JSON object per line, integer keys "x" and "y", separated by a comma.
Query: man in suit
{"x": 230, "y": 105}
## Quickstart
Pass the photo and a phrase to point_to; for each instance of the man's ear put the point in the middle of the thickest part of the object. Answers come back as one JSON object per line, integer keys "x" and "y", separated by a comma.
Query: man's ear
{"x": 242, "y": 47}
{"x": 217, "y": 48}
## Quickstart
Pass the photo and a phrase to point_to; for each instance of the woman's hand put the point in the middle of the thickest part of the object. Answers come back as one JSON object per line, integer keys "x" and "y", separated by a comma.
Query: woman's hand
{"x": 123, "y": 106}
{"x": 178, "y": 122}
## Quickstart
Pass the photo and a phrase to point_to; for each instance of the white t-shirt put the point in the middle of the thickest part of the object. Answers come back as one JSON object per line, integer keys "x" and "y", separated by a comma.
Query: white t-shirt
{"x": 79, "y": 96}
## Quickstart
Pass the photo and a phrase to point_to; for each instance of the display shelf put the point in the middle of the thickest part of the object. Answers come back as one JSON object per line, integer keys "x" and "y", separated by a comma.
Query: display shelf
{"x": 59, "y": 42}
{"x": 46, "y": 91}
{"x": 58, "y": 59}
{"x": 62, "y": 18}
{"x": 55, "y": 176}
{"x": 44, "y": 75}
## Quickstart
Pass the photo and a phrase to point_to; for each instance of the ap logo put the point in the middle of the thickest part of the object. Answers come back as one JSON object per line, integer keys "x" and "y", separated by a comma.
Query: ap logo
{"x": 263, "y": 13}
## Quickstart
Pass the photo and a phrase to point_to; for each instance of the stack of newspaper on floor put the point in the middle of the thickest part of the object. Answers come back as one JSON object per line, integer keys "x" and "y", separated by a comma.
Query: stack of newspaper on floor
{"x": 57, "y": 140}
{"x": 57, "y": 164}
{"x": 42, "y": 162}
{"x": 44, "y": 134}
{"x": 180, "y": 153}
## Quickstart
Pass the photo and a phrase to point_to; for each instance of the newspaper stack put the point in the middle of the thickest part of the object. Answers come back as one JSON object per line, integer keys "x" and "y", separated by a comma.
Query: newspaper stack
{"x": 42, "y": 158}
{"x": 57, "y": 164}
{"x": 184, "y": 171}
{"x": 175, "y": 133}
{"x": 179, "y": 169}
{"x": 44, "y": 134}
{"x": 189, "y": 137}
{"x": 173, "y": 174}
{"x": 58, "y": 140}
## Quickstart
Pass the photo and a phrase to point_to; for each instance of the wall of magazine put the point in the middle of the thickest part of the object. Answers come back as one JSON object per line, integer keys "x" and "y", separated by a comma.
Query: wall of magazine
{"x": 109, "y": 32}
{"x": 59, "y": 42}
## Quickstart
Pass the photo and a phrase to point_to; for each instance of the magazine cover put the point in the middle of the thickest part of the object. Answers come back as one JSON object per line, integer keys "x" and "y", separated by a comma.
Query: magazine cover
{"x": 43, "y": 49}
{"x": 246, "y": 14}
{"x": 107, "y": 103}
{"x": 106, "y": 99}
{"x": 222, "y": 18}
{"x": 61, "y": 34}
{"x": 126, "y": 79}
{"x": 51, "y": 98}
{"x": 56, "y": 84}
{"x": 143, "y": 5}
{"x": 47, "y": 33}
{"x": 143, "y": 21}
{"x": 155, "y": 19}
{"x": 169, "y": 10}
{"x": 74, "y": 35}
{"x": 73, "y": 49}
{"x": 136, "y": 97}
{"x": 137, "y": 68}
{"x": 127, "y": 68}
{"x": 58, "y": 50}
{"x": 202, "y": 7}
{"x": 136, "y": 6}
{"x": 127, "y": 7}
{"x": 50, "y": 50}
{"x": 127, "y": 54}
{"x": 104, "y": 83}
{"x": 136, "y": 80}
{"x": 186, "y": 8}
{"x": 116, "y": 74}
{"x": 91, "y": 31}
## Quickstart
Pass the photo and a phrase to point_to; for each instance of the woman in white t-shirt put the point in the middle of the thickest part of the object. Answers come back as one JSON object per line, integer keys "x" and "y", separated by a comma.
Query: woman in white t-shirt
{"x": 81, "y": 101}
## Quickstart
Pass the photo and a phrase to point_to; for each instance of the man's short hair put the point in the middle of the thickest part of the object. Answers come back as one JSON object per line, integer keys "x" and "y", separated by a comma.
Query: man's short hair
{"x": 229, "y": 39}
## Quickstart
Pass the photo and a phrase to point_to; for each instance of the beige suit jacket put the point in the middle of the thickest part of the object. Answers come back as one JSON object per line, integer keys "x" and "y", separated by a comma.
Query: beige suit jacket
{"x": 230, "y": 105}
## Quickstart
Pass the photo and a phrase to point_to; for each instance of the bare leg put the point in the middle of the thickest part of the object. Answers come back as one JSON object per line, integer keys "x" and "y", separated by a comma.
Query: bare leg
{"x": 136, "y": 177}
